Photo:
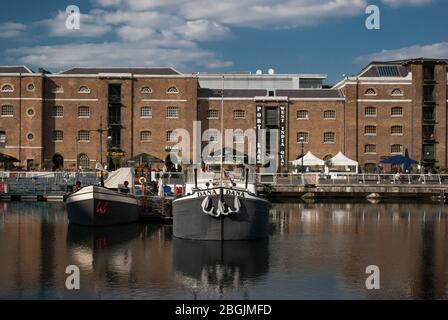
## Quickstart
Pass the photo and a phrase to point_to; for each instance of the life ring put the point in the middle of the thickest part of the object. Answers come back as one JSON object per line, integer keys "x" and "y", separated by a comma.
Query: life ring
{"x": 142, "y": 180}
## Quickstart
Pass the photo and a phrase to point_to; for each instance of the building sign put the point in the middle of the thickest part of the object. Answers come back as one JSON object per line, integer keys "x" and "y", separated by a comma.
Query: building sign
{"x": 282, "y": 142}
{"x": 259, "y": 124}
{"x": 116, "y": 154}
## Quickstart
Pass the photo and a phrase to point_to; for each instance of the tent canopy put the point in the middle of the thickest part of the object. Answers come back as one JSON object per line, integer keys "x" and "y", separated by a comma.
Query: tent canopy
{"x": 6, "y": 158}
{"x": 309, "y": 160}
{"x": 341, "y": 160}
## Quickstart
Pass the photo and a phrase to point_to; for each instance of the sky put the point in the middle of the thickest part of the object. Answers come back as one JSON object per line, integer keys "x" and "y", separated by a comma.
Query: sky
{"x": 290, "y": 36}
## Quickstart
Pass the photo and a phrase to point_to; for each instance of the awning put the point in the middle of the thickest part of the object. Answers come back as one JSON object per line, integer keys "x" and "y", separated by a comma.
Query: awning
{"x": 146, "y": 158}
{"x": 340, "y": 160}
{"x": 7, "y": 158}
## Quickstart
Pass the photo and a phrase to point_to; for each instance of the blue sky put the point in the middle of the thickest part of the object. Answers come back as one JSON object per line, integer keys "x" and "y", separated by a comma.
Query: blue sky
{"x": 291, "y": 36}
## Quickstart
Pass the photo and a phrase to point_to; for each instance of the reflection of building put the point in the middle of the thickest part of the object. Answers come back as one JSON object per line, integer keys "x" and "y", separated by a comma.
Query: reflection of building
{"x": 387, "y": 107}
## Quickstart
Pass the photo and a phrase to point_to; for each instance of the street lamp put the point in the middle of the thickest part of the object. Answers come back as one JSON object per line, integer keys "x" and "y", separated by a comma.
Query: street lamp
{"x": 302, "y": 140}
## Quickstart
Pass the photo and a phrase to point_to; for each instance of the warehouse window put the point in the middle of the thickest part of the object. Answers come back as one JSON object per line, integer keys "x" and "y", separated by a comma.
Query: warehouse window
{"x": 84, "y": 135}
{"x": 58, "y": 135}
{"x": 396, "y": 148}
{"x": 7, "y": 111}
{"x": 58, "y": 112}
{"x": 7, "y": 88}
{"x": 329, "y": 137}
{"x": 83, "y": 112}
{"x": 370, "y": 111}
{"x": 83, "y": 161}
{"x": 84, "y": 89}
{"x": 302, "y": 114}
{"x": 210, "y": 136}
{"x": 172, "y": 90}
{"x": 370, "y": 148}
{"x": 397, "y": 92}
{"x": 172, "y": 112}
{"x": 171, "y": 136}
{"x": 396, "y": 112}
{"x": 146, "y": 136}
{"x": 370, "y": 130}
{"x": 238, "y": 136}
{"x": 329, "y": 114}
{"x": 146, "y": 112}
{"x": 396, "y": 130}
{"x": 146, "y": 90}
{"x": 212, "y": 114}
{"x": 2, "y": 139}
{"x": 370, "y": 92}
{"x": 304, "y": 135}
{"x": 239, "y": 114}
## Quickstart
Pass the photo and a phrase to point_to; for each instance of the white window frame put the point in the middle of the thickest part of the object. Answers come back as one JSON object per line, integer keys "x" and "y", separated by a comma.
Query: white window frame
{"x": 149, "y": 108}
{"x": 241, "y": 111}
{"x": 332, "y": 112}
{"x": 369, "y": 133}
{"x": 87, "y": 132}
{"x": 304, "y": 111}
{"x": 53, "y": 113}
{"x": 7, "y": 85}
{"x": 172, "y": 90}
{"x": 306, "y": 138}
{"x": 369, "y": 152}
{"x": 334, "y": 137}
{"x": 149, "y": 136}
{"x": 82, "y": 91}
{"x": 83, "y": 116}
{"x": 54, "y": 135}
{"x": 7, "y": 115}
{"x": 396, "y": 126}
{"x": 212, "y": 117}
{"x": 171, "y": 115}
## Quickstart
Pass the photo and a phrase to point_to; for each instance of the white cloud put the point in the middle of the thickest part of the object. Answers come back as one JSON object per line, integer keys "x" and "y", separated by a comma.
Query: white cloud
{"x": 398, "y": 3}
{"x": 182, "y": 55}
{"x": 12, "y": 29}
{"x": 436, "y": 50}
{"x": 202, "y": 30}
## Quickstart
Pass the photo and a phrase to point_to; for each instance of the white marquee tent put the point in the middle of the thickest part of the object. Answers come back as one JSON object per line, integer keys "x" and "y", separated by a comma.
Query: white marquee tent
{"x": 309, "y": 160}
{"x": 340, "y": 160}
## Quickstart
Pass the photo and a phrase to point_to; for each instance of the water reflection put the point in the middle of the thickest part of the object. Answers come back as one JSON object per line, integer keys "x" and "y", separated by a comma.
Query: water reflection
{"x": 219, "y": 267}
{"x": 315, "y": 250}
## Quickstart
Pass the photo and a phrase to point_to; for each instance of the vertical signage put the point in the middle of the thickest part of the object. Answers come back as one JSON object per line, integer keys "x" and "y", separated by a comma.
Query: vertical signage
{"x": 282, "y": 144}
{"x": 259, "y": 125}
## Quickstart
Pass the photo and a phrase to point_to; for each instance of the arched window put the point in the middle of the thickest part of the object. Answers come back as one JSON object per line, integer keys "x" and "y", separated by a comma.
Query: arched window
{"x": 329, "y": 114}
{"x": 396, "y": 112}
{"x": 370, "y": 111}
{"x": 57, "y": 89}
{"x": 370, "y": 130}
{"x": 302, "y": 114}
{"x": 58, "y": 112}
{"x": 397, "y": 92}
{"x": 396, "y": 130}
{"x": 58, "y": 135}
{"x": 239, "y": 114}
{"x": 396, "y": 148}
{"x": 172, "y": 90}
{"x": 84, "y": 89}
{"x": 370, "y": 92}
{"x": 146, "y": 90}
{"x": 83, "y": 160}
{"x": 145, "y": 136}
{"x": 171, "y": 136}
{"x": 370, "y": 148}
{"x": 212, "y": 114}
{"x": 2, "y": 139}
{"x": 7, "y": 88}
{"x": 329, "y": 137}
{"x": 303, "y": 136}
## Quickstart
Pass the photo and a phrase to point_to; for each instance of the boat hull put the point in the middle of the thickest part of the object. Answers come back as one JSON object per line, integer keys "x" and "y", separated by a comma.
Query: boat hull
{"x": 250, "y": 222}
{"x": 96, "y": 206}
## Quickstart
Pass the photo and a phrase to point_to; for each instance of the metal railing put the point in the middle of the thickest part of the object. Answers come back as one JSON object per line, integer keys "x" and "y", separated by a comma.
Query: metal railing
{"x": 297, "y": 179}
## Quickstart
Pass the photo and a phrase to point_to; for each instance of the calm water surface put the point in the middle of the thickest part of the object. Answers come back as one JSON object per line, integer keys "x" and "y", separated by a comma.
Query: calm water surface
{"x": 315, "y": 251}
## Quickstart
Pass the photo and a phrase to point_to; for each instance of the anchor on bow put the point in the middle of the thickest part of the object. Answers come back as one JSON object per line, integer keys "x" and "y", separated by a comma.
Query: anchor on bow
{"x": 223, "y": 209}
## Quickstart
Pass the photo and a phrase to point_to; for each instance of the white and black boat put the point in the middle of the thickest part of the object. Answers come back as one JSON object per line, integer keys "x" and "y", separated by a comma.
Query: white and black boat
{"x": 105, "y": 205}
{"x": 211, "y": 210}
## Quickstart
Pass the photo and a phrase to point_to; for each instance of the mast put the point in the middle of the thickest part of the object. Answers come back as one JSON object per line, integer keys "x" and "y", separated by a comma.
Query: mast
{"x": 100, "y": 132}
{"x": 222, "y": 132}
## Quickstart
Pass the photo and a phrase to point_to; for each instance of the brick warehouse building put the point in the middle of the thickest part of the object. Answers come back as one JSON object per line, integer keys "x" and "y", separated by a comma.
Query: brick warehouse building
{"x": 48, "y": 121}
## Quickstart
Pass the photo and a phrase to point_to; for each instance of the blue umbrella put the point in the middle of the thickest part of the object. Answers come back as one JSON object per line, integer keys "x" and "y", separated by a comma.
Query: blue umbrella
{"x": 399, "y": 159}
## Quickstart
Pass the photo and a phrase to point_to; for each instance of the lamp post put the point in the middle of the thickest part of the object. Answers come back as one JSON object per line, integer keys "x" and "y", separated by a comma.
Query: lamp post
{"x": 301, "y": 139}
{"x": 109, "y": 156}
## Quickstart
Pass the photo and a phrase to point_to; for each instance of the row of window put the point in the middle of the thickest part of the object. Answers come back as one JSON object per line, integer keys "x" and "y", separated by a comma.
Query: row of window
{"x": 372, "y": 111}
{"x": 394, "y": 130}
{"x": 83, "y": 135}
{"x": 328, "y": 114}
{"x": 394, "y": 92}
{"x": 304, "y": 137}
{"x": 395, "y": 148}
{"x": 83, "y": 112}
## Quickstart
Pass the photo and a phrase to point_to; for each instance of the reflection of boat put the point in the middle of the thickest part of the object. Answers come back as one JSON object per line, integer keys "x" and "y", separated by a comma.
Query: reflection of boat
{"x": 219, "y": 265}
{"x": 87, "y": 245}
{"x": 103, "y": 206}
